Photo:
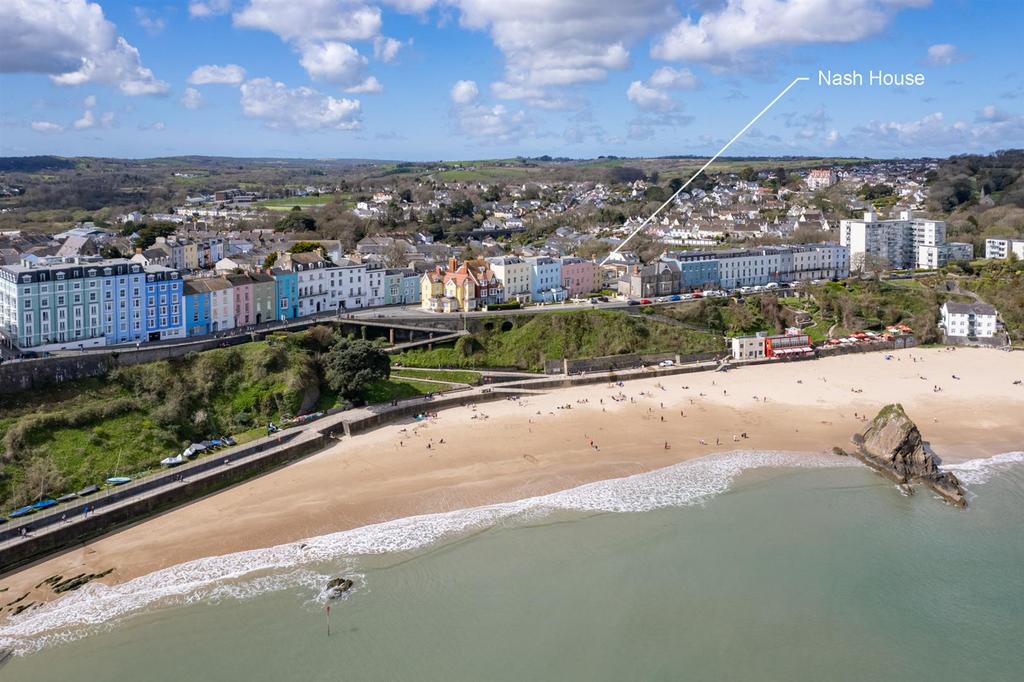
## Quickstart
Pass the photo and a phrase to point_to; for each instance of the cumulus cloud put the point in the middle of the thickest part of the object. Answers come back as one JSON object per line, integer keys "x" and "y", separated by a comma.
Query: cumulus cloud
{"x": 334, "y": 62}
{"x": 464, "y": 92}
{"x": 192, "y": 99}
{"x": 209, "y": 74}
{"x": 475, "y": 119}
{"x": 311, "y": 20}
{"x": 561, "y": 42}
{"x": 935, "y": 132}
{"x": 386, "y": 49}
{"x": 992, "y": 114}
{"x": 648, "y": 98}
{"x": 318, "y": 31}
{"x": 89, "y": 101}
{"x": 73, "y": 43}
{"x": 653, "y": 95}
{"x": 725, "y": 36}
{"x": 47, "y": 127}
{"x": 89, "y": 120}
{"x": 674, "y": 79}
{"x": 202, "y": 9}
{"x": 370, "y": 86}
{"x": 943, "y": 54}
{"x": 281, "y": 107}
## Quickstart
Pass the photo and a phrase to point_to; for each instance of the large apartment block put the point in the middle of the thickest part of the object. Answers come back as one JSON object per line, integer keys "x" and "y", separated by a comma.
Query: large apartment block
{"x": 68, "y": 303}
{"x": 1002, "y": 248}
{"x": 904, "y": 243}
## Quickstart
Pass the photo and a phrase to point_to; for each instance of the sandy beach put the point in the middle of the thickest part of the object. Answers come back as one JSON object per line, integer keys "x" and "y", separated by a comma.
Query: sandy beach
{"x": 543, "y": 443}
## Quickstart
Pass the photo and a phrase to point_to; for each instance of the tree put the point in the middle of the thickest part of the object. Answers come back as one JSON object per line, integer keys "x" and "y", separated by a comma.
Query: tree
{"x": 675, "y": 184}
{"x": 351, "y": 365}
{"x": 296, "y": 221}
{"x": 747, "y": 173}
{"x": 304, "y": 247}
{"x": 270, "y": 260}
{"x": 110, "y": 251}
{"x": 395, "y": 255}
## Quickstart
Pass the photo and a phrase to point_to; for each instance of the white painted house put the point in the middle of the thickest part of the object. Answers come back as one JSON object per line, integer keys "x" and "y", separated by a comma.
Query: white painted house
{"x": 971, "y": 320}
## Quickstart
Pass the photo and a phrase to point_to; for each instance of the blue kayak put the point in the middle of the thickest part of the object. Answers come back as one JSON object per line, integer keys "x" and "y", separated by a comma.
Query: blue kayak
{"x": 118, "y": 480}
{"x": 22, "y": 511}
{"x": 45, "y": 504}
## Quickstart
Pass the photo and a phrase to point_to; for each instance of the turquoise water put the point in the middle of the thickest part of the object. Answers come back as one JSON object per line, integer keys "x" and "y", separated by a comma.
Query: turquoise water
{"x": 776, "y": 574}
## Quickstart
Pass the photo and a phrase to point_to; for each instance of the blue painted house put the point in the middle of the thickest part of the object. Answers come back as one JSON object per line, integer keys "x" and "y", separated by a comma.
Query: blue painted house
{"x": 287, "y": 293}
{"x": 165, "y": 313}
{"x": 196, "y": 294}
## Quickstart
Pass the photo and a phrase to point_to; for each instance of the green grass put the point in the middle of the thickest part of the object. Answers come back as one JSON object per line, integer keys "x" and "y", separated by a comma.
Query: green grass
{"x": 453, "y": 375}
{"x": 383, "y": 391}
{"x": 570, "y": 334}
{"x": 288, "y": 202}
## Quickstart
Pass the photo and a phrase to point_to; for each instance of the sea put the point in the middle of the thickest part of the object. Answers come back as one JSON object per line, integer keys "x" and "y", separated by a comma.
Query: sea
{"x": 745, "y": 566}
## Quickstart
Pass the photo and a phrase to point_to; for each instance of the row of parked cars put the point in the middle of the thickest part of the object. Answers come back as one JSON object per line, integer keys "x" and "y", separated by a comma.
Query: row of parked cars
{"x": 714, "y": 293}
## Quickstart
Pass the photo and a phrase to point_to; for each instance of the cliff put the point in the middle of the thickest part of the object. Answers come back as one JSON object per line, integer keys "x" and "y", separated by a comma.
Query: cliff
{"x": 892, "y": 445}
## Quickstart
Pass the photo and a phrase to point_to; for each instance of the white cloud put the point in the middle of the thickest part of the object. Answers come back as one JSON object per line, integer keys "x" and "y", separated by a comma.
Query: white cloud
{"x": 192, "y": 99}
{"x": 88, "y": 120}
{"x": 202, "y": 9}
{"x": 648, "y": 98}
{"x": 934, "y": 132}
{"x": 333, "y": 62}
{"x": 72, "y": 42}
{"x": 370, "y": 86}
{"x": 150, "y": 22}
{"x": 560, "y": 43}
{"x": 673, "y": 79}
{"x": 726, "y": 36}
{"x": 474, "y": 119}
{"x": 311, "y": 20}
{"x": 209, "y": 74}
{"x": 464, "y": 92}
{"x": 158, "y": 126}
{"x": 279, "y": 106}
{"x": 943, "y": 54}
{"x": 47, "y": 127}
{"x": 89, "y": 101}
{"x": 386, "y": 49}
{"x": 652, "y": 95}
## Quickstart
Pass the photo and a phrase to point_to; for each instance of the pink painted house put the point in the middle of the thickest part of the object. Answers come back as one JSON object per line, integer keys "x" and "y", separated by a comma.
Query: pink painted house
{"x": 580, "y": 276}
{"x": 242, "y": 287}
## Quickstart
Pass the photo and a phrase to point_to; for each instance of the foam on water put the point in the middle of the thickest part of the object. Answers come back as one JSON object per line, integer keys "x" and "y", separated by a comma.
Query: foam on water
{"x": 244, "y": 574}
{"x": 976, "y": 471}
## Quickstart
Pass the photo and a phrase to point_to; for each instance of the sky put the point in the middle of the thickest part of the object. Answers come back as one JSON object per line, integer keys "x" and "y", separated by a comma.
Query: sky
{"x": 425, "y": 80}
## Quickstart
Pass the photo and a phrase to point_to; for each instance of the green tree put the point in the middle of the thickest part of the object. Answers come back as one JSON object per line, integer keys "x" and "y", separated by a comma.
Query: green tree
{"x": 352, "y": 364}
{"x": 296, "y": 221}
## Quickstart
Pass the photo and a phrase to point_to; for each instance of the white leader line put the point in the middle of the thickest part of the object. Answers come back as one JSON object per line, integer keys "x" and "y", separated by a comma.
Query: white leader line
{"x": 704, "y": 167}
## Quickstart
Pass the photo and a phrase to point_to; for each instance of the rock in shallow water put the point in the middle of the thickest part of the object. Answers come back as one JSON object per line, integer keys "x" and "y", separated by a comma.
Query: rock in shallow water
{"x": 892, "y": 444}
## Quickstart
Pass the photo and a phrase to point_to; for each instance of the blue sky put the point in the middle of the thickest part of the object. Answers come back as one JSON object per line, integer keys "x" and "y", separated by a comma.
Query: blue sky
{"x": 463, "y": 79}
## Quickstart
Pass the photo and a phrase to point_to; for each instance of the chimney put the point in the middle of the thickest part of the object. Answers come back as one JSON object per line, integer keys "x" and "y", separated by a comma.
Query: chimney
{"x": 452, "y": 263}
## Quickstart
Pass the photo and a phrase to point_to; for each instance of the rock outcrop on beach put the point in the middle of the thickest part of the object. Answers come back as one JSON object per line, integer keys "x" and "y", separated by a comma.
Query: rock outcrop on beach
{"x": 892, "y": 444}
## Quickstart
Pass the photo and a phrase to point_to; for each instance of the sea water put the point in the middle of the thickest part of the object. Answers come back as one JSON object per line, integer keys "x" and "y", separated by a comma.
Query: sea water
{"x": 747, "y": 566}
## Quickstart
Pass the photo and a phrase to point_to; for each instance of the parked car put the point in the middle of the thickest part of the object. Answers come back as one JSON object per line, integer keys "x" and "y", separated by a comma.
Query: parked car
{"x": 645, "y": 301}
{"x": 675, "y": 297}
{"x": 632, "y": 302}
{"x": 666, "y": 363}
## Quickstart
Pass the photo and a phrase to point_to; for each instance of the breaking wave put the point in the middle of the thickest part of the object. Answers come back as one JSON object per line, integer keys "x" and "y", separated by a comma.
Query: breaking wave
{"x": 976, "y": 471}
{"x": 245, "y": 574}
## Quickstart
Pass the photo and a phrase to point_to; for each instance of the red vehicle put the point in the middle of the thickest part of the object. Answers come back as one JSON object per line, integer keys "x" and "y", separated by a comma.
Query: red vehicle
{"x": 697, "y": 294}
{"x": 645, "y": 301}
